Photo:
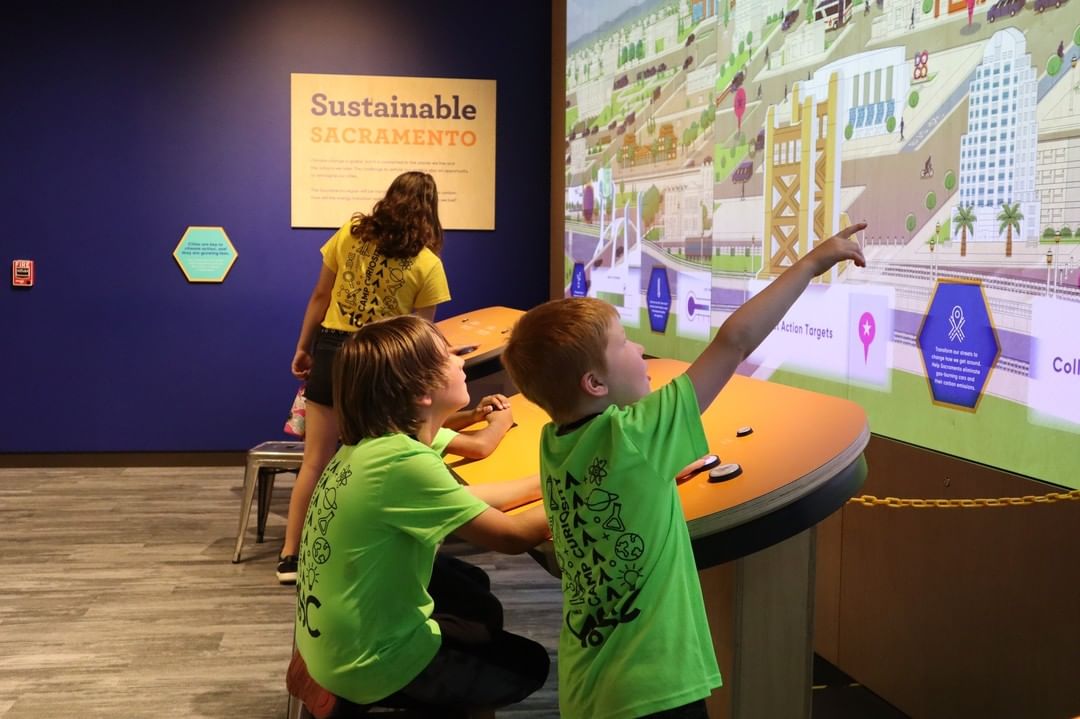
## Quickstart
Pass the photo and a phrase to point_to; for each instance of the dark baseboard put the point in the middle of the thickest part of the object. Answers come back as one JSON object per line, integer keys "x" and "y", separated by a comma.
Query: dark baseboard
{"x": 123, "y": 459}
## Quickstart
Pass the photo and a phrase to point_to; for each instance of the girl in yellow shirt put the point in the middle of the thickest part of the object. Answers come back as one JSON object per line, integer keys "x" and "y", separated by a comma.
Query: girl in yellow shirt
{"x": 377, "y": 265}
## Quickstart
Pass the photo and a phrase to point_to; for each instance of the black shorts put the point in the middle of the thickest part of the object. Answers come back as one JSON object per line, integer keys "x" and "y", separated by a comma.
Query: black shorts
{"x": 320, "y": 385}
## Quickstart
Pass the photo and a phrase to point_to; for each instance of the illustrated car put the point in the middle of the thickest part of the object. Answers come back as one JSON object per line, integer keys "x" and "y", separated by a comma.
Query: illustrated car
{"x": 1004, "y": 8}
{"x": 789, "y": 20}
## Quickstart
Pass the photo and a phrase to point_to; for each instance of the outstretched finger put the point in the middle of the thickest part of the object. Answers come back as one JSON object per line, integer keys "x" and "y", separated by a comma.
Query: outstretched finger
{"x": 851, "y": 230}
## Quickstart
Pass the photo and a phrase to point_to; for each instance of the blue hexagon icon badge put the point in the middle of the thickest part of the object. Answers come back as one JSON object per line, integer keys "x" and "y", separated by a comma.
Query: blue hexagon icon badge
{"x": 579, "y": 285}
{"x": 205, "y": 254}
{"x": 659, "y": 299}
{"x": 958, "y": 344}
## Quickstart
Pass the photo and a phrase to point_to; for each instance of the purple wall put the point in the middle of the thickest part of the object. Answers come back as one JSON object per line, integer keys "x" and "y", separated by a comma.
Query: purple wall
{"x": 125, "y": 125}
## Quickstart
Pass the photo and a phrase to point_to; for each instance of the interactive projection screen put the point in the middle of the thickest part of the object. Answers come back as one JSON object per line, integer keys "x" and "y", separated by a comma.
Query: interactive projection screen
{"x": 710, "y": 144}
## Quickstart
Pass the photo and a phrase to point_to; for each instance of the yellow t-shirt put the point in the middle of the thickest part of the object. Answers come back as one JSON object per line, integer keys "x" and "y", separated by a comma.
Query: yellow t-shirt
{"x": 369, "y": 286}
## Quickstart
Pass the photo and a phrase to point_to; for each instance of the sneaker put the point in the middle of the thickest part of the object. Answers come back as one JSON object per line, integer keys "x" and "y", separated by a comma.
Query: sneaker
{"x": 286, "y": 569}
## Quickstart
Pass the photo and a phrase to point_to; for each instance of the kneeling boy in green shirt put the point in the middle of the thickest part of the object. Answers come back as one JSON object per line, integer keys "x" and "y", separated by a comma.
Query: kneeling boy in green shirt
{"x": 370, "y": 626}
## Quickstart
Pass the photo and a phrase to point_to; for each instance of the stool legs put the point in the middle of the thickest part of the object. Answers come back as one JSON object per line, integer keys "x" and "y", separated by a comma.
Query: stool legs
{"x": 250, "y": 475}
{"x": 266, "y": 491}
{"x": 296, "y": 709}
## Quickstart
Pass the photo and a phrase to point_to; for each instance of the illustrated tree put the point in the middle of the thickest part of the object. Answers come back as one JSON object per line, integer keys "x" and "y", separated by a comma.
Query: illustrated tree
{"x": 964, "y": 222}
{"x": 588, "y": 203}
{"x": 1009, "y": 217}
{"x": 650, "y": 203}
{"x": 1053, "y": 65}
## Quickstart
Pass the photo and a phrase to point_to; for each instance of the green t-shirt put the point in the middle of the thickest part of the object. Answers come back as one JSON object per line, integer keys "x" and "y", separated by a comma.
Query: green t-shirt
{"x": 442, "y": 439}
{"x": 635, "y": 639}
{"x": 378, "y": 513}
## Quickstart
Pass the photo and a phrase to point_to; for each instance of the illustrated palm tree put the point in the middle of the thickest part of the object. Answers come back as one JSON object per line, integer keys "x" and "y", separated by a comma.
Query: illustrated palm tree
{"x": 964, "y": 222}
{"x": 1009, "y": 217}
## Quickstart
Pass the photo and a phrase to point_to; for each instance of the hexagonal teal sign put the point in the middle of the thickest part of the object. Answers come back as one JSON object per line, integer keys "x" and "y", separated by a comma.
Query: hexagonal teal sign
{"x": 205, "y": 254}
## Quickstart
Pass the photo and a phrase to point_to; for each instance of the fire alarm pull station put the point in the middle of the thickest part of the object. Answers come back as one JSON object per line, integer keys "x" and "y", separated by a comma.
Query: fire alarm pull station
{"x": 22, "y": 273}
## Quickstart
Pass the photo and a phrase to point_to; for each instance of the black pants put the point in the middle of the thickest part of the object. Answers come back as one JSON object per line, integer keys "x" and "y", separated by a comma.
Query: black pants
{"x": 695, "y": 710}
{"x": 478, "y": 666}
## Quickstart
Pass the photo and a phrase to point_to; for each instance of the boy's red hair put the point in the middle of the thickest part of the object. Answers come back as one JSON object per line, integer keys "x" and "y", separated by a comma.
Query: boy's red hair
{"x": 552, "y": 346}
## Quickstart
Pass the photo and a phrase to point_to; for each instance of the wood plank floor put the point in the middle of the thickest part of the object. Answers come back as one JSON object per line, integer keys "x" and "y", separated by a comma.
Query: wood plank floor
{"x": 120, "y": 599}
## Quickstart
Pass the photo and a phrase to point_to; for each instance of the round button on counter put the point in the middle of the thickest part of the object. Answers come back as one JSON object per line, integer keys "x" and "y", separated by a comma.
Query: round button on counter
{"x": 724, "y": 472}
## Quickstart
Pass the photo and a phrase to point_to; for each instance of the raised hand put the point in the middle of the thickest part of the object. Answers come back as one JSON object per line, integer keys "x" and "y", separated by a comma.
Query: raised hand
{"x": 838, "y": 248}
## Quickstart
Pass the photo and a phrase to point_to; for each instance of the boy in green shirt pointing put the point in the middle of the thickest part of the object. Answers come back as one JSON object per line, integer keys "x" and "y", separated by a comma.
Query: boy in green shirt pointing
{"x": 635, "y": 641}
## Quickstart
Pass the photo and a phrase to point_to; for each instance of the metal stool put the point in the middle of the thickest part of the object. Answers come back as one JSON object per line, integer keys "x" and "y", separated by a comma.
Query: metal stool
{"x": 263, "y": 462}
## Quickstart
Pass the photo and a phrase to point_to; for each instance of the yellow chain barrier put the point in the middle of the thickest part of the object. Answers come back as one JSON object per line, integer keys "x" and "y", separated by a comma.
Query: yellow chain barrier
{"x": 869, "y": 500}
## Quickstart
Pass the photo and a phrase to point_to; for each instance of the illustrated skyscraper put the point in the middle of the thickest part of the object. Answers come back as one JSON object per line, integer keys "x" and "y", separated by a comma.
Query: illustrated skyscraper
{"x": 997, "y": 154}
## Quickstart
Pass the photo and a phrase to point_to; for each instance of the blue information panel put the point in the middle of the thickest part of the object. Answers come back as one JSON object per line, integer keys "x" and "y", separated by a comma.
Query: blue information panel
{"x": 659, "y": 295}
{"x": 958, "y": 344}
{"x": 579, "y": 286}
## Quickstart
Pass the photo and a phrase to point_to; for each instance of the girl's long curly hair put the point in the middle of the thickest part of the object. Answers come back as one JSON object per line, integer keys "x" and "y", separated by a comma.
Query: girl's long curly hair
{"x": 405, "y": 220}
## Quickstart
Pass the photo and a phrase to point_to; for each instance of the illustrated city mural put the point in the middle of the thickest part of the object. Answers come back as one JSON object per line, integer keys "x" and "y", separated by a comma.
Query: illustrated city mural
{"x": 710, "y": 144}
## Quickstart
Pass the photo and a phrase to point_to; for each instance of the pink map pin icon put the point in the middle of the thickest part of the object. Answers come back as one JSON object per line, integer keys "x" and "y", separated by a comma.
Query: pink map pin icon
{"x": 867, "y": 329}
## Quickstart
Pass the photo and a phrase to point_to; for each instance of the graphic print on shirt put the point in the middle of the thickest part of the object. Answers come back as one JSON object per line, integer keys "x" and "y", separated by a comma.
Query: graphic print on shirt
{"x": 599, "y": 556}
{"x": 317, "y": 551}
{"x": 370, "y": 283}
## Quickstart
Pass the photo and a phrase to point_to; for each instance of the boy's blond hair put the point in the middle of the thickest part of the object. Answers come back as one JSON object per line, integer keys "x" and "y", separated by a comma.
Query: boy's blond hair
{"x": 382, "y": 371}
{"x": 552, "y": 346}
